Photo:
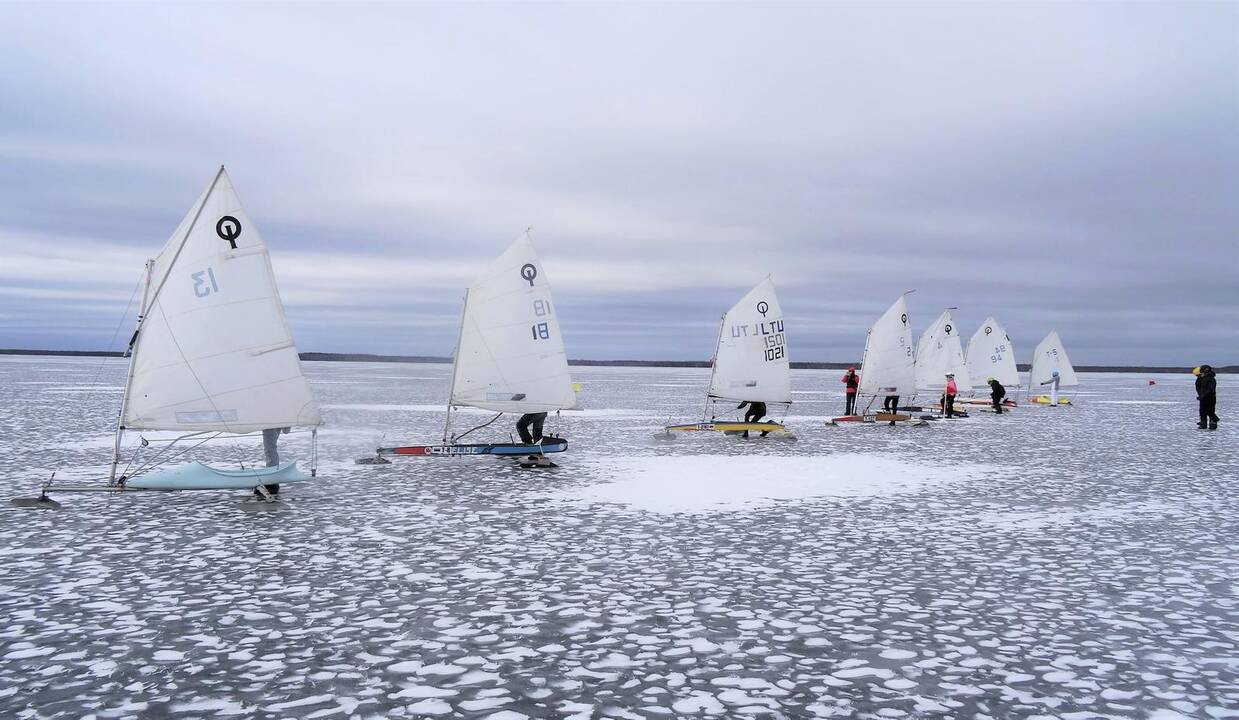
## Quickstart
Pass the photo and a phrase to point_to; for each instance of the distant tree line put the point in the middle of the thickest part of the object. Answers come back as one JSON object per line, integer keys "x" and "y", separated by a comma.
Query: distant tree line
{"x": 367, "y": 357}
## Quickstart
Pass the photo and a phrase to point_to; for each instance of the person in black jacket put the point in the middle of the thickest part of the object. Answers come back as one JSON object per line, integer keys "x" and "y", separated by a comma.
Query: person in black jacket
{"x": 996, "y": 393}
{"x": 537, "y": 420}
{"x": 1206, "y": 393}
{"x": 756, "y": 411}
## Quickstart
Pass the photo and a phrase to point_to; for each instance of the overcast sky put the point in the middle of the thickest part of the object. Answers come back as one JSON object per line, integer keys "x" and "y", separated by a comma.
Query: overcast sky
{"x": 1058, "y": 165}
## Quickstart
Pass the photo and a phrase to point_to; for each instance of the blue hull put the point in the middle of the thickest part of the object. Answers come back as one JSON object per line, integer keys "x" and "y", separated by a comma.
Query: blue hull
{"x": 556, "y": 446}
{"x": 196, "y": 476}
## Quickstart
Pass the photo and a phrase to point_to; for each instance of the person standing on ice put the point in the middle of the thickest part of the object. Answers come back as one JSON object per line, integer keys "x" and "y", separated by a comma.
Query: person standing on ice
{"x": 756, "y": 411}
{"x": 271, "y": 453}
{"x": 851, "y": 382}
{"x": 948, "y": 395}
{"x": 996, "y": 393}
{"x": 1206, "y": 393}
{"x": 1053, "y": 383}
{"x": 537, "y": 420}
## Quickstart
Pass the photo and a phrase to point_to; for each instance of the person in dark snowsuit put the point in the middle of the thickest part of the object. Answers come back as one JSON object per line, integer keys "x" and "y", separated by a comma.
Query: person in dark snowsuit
{"x": 996, "y": 393}
{"x": 852, "y": 382}
{"x": 756, "y": 411}
{"x": 1206, "y": 393}
{"x": 537, "y": 420}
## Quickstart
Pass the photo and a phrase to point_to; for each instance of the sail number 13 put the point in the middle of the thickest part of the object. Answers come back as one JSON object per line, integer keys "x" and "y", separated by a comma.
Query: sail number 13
{"x": 204, "y": 282}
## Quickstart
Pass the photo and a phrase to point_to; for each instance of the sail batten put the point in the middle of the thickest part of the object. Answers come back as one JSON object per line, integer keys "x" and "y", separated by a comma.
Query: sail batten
{"x": 214, "y": 350}
{"x": 990, "y": 354}
{"x": 750, "y": 360}
{"x": 510, "y": 354}
{"x": 888, "y": 366}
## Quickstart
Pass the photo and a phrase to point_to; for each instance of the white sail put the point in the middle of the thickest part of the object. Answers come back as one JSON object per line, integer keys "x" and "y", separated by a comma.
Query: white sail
{"x": 511, "y": 354}
{"x": 939, "y": 352}
{"x": 750, "y": 362}
{"x": 990, "y": 355}
{"x": 888, "y": 366}
{"x": 1049, "y": 356}
{"x": 214, "y": 350}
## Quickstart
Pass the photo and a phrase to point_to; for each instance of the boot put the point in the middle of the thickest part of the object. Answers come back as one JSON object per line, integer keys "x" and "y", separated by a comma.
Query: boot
{"x": 1202, "y": 426}
{"x": 1213, "y": 424}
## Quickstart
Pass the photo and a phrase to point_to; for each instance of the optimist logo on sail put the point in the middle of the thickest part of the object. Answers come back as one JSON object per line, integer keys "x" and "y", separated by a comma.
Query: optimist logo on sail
{"x": 229, "y": 229}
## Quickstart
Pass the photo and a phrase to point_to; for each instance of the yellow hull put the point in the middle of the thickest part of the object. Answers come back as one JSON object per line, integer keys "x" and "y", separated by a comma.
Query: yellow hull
{"x": 1045, "y": 400}
{"x": 772, "y": 429}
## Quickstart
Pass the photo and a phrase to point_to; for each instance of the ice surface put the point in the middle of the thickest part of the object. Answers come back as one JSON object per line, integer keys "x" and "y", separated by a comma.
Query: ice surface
{"x": 1075, "y": 562}
{"x": 695, "y": 483}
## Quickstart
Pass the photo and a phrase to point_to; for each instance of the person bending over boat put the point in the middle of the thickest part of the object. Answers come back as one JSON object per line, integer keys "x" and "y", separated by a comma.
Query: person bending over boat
{"x": 948, "y": 397}
{"x": 851, "y": 381}
{"x": 271, "y": 452}
{"x": 756, "y": 411}
{"x": 1053, "y": 383}
{"x": 537, "y": 420}
{"x": 1206, "y": 393}
{"x": 996, "y": 393}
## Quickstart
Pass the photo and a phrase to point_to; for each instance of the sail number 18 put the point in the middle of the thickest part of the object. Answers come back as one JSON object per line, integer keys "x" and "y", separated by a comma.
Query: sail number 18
{"x": 542, "y": 330}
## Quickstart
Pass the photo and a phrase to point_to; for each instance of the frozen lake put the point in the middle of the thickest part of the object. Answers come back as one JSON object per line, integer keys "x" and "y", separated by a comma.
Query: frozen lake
{"x": 1051, "y": 562}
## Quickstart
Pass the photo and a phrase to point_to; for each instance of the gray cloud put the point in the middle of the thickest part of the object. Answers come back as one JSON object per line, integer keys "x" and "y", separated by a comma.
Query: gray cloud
{"x": 1069, "y": 166}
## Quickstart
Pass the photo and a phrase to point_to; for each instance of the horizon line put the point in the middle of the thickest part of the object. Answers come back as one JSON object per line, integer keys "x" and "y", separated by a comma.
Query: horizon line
{"x": 313, "y": 356}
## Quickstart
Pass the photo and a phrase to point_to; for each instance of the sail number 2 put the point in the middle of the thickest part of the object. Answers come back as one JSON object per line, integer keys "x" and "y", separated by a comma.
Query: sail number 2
{"x": 204, "y": 282}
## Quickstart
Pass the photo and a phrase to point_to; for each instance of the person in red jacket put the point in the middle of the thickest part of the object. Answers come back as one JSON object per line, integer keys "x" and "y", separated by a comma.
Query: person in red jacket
{"x": 852, "y": 382}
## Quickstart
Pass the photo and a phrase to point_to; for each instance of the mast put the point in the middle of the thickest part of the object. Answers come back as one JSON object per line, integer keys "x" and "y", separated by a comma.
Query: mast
{"x": 132, "y": 352}
{"x": 863, "y": 357}
{"x": 705, "y": 411}
{"x": 447, "y": 424}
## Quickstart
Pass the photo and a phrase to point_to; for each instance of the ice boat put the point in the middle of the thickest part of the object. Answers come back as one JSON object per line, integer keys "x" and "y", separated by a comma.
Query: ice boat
{"x": 212, "y": 354}
{"x": 509, "y": 357}
{"x": 1050, "y": 362}
{"x": 196, "y": 476}
{"x": 750, "y": 365}
{"x": 888, "y": 367}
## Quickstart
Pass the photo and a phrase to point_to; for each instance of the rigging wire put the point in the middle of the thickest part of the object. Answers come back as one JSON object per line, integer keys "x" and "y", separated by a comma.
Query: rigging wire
{"x": 116, "y": 332}
{"x": 456, "y": 438}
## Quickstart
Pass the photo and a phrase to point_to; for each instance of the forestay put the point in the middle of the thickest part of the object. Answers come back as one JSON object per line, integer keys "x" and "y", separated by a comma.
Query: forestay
{"x": 939, "y": 352}
{"x": 888, "y": 365}
{"x": 1049, "y": 356}
{"x": 990, "y": 354}
{"x": 510, "y": 357}
{"x": 213, "y": 350}
{"x": 750, "y": 362}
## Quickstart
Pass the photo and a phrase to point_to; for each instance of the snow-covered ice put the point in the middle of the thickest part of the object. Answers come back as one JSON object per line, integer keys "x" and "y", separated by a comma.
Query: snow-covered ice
{"x": 1072, "y": 562}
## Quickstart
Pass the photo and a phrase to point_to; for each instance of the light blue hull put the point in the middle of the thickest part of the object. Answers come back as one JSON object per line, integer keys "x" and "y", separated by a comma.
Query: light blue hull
{"x": 196, "y": 476}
